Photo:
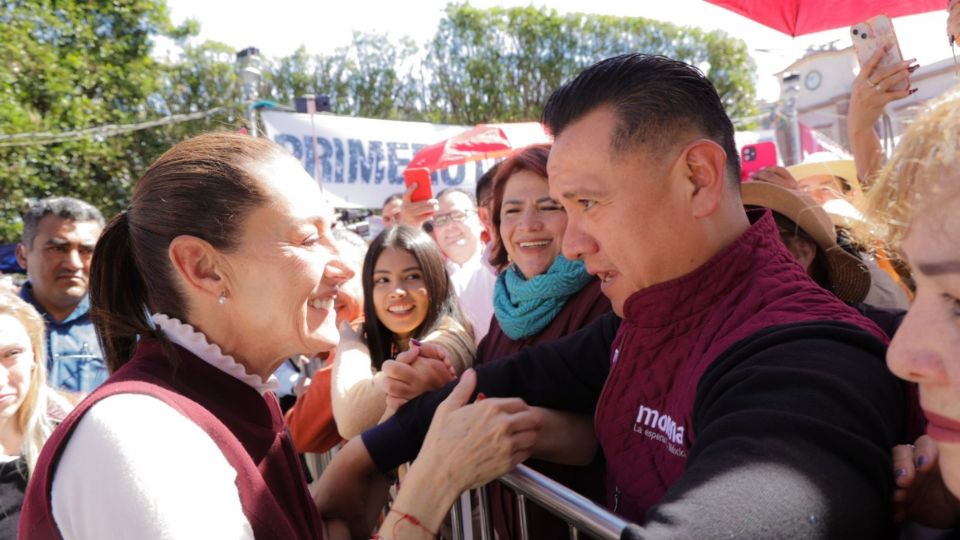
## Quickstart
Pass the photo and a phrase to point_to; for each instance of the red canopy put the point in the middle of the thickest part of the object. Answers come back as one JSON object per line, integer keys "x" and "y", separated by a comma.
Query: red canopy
{"x": 480, "y": 142}
{"x": 798, "y": 17}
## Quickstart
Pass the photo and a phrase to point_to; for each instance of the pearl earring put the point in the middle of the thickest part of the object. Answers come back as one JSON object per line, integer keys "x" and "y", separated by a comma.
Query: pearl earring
{"x": 223, "y": 299}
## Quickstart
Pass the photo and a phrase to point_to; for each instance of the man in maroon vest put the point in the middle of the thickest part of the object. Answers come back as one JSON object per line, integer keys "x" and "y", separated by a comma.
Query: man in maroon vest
{"x": 733, "y": 396}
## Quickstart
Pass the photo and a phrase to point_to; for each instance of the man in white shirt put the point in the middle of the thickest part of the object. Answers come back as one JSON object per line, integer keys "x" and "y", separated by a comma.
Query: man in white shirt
{"x": 456, "y": 229}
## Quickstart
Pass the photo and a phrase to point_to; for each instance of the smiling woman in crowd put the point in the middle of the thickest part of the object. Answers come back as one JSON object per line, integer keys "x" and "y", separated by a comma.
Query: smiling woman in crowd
{"x": 408, "y": 302}
{"x": 540, "y": 296}
{"x": 221, "y": 268}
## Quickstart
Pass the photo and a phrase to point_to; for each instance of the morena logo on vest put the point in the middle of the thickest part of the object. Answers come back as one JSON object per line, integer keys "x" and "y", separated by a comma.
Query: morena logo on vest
{"x": 670, "y": 433}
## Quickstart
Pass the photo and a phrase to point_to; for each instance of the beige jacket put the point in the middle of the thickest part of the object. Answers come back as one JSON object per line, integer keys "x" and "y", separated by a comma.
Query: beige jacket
{"x": 359, "y": 401}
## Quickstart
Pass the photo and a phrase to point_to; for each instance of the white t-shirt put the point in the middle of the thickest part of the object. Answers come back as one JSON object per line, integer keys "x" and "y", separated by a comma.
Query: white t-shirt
{"x": 474, "y": 283}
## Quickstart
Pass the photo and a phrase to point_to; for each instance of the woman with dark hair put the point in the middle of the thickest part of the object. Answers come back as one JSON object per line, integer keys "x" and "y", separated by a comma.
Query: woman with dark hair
{"x": 221, "y": 268}
{"x": 540, "y": 296}
{"x": 408, "y": 301}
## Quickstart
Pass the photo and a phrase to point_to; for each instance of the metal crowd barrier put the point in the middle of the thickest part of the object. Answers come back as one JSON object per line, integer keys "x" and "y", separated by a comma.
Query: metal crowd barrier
{"x": 580, "y": 513}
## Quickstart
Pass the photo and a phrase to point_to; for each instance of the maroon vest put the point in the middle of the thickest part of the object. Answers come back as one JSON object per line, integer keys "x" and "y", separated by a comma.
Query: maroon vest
{"x": 671, "y": 333}
{"x": 580, "y": 310}
{"x": 246, "y": 426}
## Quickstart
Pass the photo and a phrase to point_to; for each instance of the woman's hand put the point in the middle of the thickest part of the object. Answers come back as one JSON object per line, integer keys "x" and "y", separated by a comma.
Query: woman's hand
{"x": 920, "y": 495}
{"x": 874, "y": 88}
{"x": 466, "y": 446}
{"x": 953, "y": 21}
{"x": 420, "y": 369}
{"x": 776, "y": 175}
{"x": 470, "y": 445}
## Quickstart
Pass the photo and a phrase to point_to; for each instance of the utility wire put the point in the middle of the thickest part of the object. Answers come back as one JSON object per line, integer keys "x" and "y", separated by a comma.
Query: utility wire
{"x": 108, "y": 130}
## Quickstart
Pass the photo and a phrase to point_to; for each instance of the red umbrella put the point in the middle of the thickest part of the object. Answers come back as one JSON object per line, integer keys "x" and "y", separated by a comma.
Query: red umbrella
{"x": 798, "y": 17}
{"x": 481, "y": 142}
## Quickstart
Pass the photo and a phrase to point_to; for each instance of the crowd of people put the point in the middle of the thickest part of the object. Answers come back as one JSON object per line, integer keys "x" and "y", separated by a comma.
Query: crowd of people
{"x": 704, "y": 357}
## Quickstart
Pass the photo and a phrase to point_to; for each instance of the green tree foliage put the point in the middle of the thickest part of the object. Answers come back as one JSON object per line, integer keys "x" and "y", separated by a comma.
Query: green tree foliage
{"x": 371, "y": 77}
{"x": 72, "y": 64}
{"x": 503, "y": 63}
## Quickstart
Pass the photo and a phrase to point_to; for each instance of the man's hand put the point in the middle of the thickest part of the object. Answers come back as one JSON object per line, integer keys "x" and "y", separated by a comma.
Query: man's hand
{"x": 422, "y": 368}
{"x": 920, "y": 495}
{"x": 414, "y": 214}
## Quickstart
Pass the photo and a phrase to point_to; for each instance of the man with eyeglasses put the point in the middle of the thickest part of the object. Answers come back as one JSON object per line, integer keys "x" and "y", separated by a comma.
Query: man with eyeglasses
{"x": 456, "y": 229}
{"x": 59, "y": 235}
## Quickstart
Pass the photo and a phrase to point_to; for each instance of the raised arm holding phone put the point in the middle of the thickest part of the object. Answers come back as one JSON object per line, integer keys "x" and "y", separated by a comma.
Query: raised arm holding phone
{"x": 882, "y": 79}
{"x": 419, "y": 205}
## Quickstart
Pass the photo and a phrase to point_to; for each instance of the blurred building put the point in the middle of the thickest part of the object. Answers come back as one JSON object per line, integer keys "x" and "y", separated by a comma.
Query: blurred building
{"x": 818, "y": 85}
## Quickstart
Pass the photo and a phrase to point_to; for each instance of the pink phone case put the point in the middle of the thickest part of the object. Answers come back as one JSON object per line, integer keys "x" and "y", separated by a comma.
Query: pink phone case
{"x": 869, "y": 36}
{"x": 756, "y": 157}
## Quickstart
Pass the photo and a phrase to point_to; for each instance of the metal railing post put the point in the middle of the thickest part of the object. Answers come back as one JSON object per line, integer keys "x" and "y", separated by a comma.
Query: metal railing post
{"x": 456, "y": 520}
{"x": 522, "y": 515}
{"x": 578, "y": 511}
{"x": 486, "y": 519}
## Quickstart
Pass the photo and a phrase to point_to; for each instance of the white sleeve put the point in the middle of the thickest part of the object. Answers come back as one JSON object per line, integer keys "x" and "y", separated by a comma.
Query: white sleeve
{"x": 136, "y": 468}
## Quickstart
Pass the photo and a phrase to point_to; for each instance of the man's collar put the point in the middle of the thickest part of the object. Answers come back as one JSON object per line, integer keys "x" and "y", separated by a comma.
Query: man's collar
{"x": 474, "y": 259}
{"x": 26, "y": 292}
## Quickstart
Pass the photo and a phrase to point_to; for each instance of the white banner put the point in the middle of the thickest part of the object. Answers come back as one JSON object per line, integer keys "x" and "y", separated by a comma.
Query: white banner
{"x": 360, "y": 161}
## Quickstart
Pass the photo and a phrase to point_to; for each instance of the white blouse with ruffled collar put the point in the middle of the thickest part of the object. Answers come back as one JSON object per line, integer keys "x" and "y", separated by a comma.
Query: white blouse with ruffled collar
{"x": 194, "y": 341}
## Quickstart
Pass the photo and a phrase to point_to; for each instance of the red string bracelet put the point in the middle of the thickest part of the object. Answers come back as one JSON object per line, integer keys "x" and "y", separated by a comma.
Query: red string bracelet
{"x": 412, "y": 519}
{"x": 405, "y": 517}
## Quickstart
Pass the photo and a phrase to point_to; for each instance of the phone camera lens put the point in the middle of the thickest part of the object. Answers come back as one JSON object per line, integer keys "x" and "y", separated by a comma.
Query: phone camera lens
{"x": 854, "y": 31}
{"x": 864, "y": 35}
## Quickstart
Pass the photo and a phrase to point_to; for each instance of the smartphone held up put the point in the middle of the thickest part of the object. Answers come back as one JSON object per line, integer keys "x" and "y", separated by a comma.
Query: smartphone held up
{"x": 877, "y": 34}
{"x": 756, "y": 157}
{"x": 421, "y": 177}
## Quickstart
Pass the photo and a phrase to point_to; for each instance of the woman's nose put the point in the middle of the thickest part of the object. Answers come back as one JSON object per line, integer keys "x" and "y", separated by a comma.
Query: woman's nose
{"x": 913, "y": 354}
{"x": 337, "y": 271}
{"x": 531, "y": 220}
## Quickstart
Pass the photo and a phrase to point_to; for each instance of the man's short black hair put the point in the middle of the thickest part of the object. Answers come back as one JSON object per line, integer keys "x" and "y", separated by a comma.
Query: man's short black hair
{"x": 61, "y": 207}
{"x": 471, "y": 196}
{"x": 655, "y": 99}
{"x": 391, "y": 198}
{"x": 485, "y": 184}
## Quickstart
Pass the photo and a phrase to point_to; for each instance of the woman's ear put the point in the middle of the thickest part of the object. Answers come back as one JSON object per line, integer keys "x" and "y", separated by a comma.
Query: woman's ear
{"x": 706, "y": 169}
{"x": 197, "y": 263}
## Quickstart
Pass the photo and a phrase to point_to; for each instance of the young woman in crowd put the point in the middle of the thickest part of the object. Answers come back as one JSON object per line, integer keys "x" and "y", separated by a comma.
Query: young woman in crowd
{"x": 29, "y": 409}
{"x": 916, "y": 205}
{"x": 408, "y": 300}
{"x": 221, "y": 268}
{"x": 540, "y": 296}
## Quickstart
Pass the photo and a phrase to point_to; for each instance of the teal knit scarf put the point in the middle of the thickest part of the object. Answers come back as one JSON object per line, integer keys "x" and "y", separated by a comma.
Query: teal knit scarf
{"x": 525, "y": 307}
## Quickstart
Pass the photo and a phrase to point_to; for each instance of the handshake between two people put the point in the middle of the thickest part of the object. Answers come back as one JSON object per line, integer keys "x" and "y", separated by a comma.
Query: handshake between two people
{"x": 423, "y": 367}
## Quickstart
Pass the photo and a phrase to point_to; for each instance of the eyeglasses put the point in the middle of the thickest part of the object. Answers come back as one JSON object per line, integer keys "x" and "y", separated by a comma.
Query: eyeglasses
{"x": 442, "y": 220}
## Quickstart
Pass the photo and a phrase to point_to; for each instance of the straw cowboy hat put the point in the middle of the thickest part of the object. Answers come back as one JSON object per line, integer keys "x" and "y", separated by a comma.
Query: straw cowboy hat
{"x": 841, "y": 211}
{"x": 849, "y": 276}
